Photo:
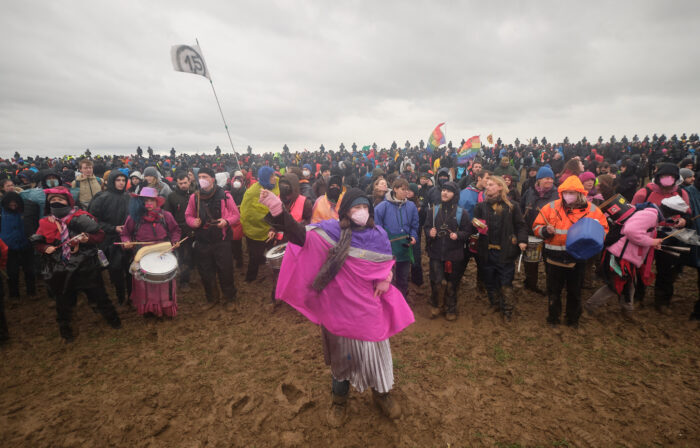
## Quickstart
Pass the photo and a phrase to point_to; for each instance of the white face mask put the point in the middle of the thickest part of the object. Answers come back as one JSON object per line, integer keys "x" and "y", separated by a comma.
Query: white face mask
{"x": 306, "y": 173}
{"x": 237, "y": 184}
{"x": 360, "y": 217}
{"x": 204, "y": 184}
{"x": 569, "y": 198}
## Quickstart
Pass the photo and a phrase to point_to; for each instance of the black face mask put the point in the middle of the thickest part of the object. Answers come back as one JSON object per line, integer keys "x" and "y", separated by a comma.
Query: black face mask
{"x": 60, "y": 210}
{"x": 334, "y": 193}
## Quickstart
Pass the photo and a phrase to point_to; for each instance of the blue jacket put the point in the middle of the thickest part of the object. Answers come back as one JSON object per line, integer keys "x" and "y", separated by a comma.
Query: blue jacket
{"x": 468, "y": 198}
{"x": 390, "y": 215}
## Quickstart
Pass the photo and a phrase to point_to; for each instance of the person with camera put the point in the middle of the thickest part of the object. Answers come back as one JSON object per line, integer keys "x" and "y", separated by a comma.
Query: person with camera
{"x": 446, "y": 229}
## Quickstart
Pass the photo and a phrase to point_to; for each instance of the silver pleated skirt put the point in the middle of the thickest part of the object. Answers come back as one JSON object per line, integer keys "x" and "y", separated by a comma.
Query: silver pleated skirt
{"x": 363, "y": 363}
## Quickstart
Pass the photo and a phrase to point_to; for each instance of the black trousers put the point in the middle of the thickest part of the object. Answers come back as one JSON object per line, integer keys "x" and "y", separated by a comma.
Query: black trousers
{"x": 256, "y": 257}
{"x": 185, "y": 259}
{"x": 498, "y": 275}
{"x": 97, "y": 298}
{"x": 119, "y": 275}
{"x": 437, "y": 274}
{"x": 695, "y": 315}
{"x": 23, "y": 259}
{"x": 216, "y": 259}
{"x": 237, "y": 248}
{"x": 667, "y": 269}
{"x": 559, "y": 277}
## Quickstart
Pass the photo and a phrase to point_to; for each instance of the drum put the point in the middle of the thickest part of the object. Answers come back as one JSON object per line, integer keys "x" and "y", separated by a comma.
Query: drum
{"x": 533, "y": 252}
{"x": 585, "y": 239}
{"x": 274, "y": 256}
{"x": 156, "y": 267}
{"x": 617, "y": 208}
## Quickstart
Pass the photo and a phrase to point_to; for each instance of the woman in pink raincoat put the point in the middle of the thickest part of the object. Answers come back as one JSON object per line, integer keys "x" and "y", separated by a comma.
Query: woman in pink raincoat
{"x": 338, "y": 274}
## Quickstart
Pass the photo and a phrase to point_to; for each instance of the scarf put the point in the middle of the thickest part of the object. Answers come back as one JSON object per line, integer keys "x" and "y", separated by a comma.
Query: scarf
{"x": 152, "y": 215}
{"x": 541, "y": 191}
{"x": 63, "y": 224}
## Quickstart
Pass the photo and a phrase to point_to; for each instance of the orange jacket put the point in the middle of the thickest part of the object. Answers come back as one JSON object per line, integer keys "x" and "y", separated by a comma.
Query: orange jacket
{"x": 562, "y": 218}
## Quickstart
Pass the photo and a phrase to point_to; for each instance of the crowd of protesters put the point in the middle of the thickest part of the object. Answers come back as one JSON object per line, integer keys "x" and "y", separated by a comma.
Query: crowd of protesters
{"x": 66, "y": 219}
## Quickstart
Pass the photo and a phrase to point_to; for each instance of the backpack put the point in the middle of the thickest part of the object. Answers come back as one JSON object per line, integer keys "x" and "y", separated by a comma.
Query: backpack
{"x": 458, "y": 214}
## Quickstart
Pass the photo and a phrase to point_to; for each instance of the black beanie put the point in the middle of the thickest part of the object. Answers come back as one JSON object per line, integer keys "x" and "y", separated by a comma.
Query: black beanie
{"x": 207, "y": 171}
{"x": 667, "y": 169}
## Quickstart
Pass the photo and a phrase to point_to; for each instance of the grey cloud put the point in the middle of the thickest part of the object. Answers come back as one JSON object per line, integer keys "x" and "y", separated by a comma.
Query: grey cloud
{"x": 98, "y": 74}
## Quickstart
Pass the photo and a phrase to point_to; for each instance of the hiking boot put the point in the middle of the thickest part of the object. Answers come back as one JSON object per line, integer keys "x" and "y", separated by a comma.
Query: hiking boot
{"x": 116, "y": 323}
{"x": 211, "y": 304}
{"x": 231, "y": 307}
{"x": 450, "y": 317}
{"x": 535, "y": 289}
{"x": 665, "y": 310}
{"x": 390, "y": 407}
{"x": 66, "y": 333}
{"x": 338, "y": 411}
{"x": 434, "y": 312}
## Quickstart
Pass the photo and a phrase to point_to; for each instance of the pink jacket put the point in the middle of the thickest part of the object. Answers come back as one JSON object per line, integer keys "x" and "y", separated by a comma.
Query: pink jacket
{"x": 229, "y": 212}
{"x": 638, "y": 233}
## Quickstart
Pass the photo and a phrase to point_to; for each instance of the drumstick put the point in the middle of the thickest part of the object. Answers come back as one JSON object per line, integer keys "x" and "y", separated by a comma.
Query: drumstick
{"x": 197, "y": 193}
{"x": 539, "y": 212}
{"x": 678, "y": 248}
{"x": 674, "y": 233}
{"x": 136, "y": 242}
{"x": 173, "y": 247}
{"x": 399, "y": 238}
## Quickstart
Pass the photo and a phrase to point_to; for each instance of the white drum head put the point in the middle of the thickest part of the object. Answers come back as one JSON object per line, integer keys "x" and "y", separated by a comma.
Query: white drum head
{"x": 155, "y": 263}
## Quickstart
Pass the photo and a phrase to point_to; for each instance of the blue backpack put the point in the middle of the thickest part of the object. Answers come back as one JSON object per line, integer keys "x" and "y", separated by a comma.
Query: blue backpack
{"x": 458, "y": 214}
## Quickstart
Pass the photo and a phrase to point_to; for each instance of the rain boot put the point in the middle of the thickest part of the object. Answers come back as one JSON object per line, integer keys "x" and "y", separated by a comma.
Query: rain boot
{"x": 339, "y": 397}
{"x": 338, "y": 411}
{"x": 451, "y": 301}
{"x": 387, "y": 404}
{"x": 434, "y": 300}
{"x": 507, "y": 302}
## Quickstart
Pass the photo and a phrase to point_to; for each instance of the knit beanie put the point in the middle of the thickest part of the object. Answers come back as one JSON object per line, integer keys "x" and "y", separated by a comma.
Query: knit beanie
{"x": 264, "y": 174}
{"x": 686, "y": 173}
{"x": 544, "y": 172}
{"x": 586, "y": 175}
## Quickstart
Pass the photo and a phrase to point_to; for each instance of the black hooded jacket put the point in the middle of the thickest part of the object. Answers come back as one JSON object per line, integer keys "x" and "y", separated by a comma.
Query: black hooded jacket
{"x": 434, "y": 193}
{"x": 111, "y": 207}
{"x": 442, "y": 247}
{"x": 628, "y": 182}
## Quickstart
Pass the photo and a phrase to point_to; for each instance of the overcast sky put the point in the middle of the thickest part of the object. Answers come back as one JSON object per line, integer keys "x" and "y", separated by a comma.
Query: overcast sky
{"x": 97, "y": 74}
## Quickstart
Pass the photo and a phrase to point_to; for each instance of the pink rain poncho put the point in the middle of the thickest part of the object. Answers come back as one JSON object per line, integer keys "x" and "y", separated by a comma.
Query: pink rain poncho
{"x": 347, "y": 306}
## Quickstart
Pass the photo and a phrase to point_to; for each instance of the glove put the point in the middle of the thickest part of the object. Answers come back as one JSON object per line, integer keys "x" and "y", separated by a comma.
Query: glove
{"x": 271, "y": 201}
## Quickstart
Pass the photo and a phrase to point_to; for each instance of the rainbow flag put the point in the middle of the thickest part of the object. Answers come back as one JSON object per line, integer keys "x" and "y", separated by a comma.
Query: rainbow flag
{"x": 436, "y": 139}
{"x": 469, "y": 150}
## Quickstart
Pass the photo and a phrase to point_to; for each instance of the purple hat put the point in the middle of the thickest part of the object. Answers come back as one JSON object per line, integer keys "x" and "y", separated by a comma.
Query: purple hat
{"x": 150, "y": 193}
{"x": 586, "y": 175}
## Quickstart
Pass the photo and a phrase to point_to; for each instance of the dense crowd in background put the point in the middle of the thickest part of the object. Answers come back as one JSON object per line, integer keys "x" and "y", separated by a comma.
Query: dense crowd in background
{"x": 66, "y": 219}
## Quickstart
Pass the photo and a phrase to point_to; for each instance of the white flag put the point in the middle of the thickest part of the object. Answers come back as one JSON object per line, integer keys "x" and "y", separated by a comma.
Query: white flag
{"x": 189, "y": 59}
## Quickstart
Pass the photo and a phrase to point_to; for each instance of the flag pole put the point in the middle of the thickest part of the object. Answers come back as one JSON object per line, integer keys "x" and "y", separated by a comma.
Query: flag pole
{"x": 220, "y": 111}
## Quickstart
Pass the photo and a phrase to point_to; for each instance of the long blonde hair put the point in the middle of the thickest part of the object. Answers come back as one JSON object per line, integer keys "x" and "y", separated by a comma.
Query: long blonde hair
{"x": 504, "y": 191}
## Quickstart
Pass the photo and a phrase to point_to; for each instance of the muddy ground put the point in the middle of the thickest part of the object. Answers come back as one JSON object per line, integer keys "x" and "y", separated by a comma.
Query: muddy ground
{"x": 252, "y": 378}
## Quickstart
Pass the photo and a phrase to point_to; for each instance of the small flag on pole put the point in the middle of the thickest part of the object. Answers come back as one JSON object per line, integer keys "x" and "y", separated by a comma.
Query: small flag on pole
{"x": 189, "y": 59}
{"x": 490, "y": 139}
{"x": 436, "y": 139}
